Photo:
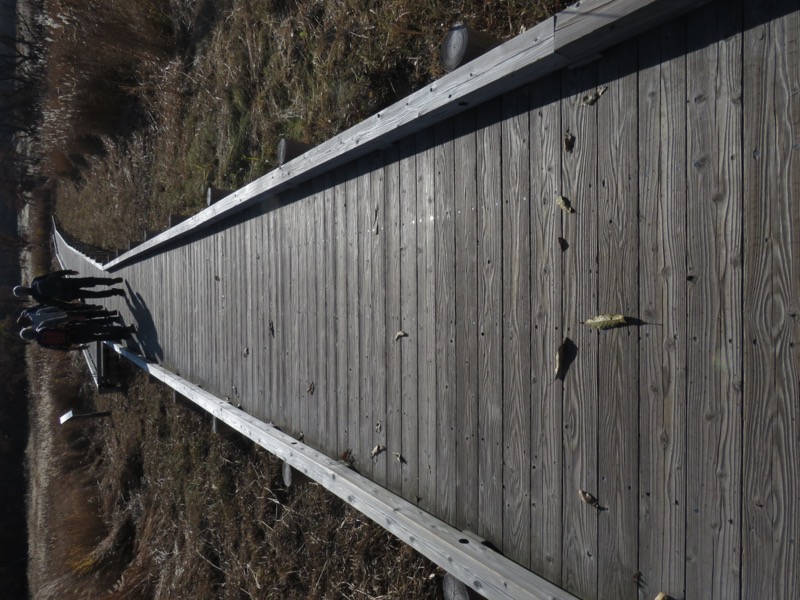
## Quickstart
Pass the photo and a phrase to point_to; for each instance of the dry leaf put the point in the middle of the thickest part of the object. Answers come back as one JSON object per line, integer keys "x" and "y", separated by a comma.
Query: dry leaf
{"x": 564, "y": 204}
{"x": 590, "y": 99}
{"x": 399, "y": 458}
{"x": 400, "y": 334}
{"x": 271, "y": 328}
{"x": 569, "y": 141}
{"x": 606, "y": 321}
{"x": 562, "y": 243}
{"x": 347, "y": 457}
{"x": 377, "y": 450}
{"x": 663, "y": 596}
{"x": 310, "y": 388}
{"x": 587, "y": 498}
{"x": 301, "y": 437}
{"x": 378, "y": 427}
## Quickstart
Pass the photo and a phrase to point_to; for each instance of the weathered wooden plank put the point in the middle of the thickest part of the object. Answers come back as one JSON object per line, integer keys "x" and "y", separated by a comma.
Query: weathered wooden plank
{"x": 366, "y": 221}
{"x": 618, "y": 359}
{"x": 579, "y": 185}
{"x": 273, "y": 289}
{"x": 445, "y": 330}
{"x": 342, "y": 329}
{"x": 590, "y": 26}
{"x": 466, "y": 297}
{"x": 393, "y": 291}
{"x": 354, "y": 233}
{"x": 409, "y": 451}
{"x": 714, "y": 307}
{"x": 259, "y": 354}
{"x": 328, "y": 424}
{"x": 546, "y": 329}
{"x": 319, "y": 343}
{"x": 515, "y": 132}
{"x": 292, "y": 282}
{"x": 426, "y": 320}
{"x": 377, "y": 237}
{"x": 315, "y": 385}
{"x": 281, "y": 323}
{"x": 662, "y": 300}
{"x": 490, "y": 310}
{"x": 771, "y": 433}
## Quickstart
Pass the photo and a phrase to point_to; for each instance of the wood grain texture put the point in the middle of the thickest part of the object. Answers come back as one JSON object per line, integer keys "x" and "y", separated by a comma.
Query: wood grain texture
{"x": 490, "y": 341}
{"x": 466, "y": 306}
{"x": 546, "y": 329}
{"x": 618, "y": 359}
{"x": 273, "y": 295}
{"x": 377, "y": 237}
{"x": 516, "y": 326}
{"x": 330, "y": 251}
{"x": 445, "y": 315}
{"x": 771, "y": 443}
{"x": 662, "y": 300}
{"x": 342, "y": 313}
{"x": 319, "y": 341}
{"x": 365, "y": 207}
{"x": 409, "y": 450}
{"x": 426, "y": 321}
{"x": 393, "y": 321}
{"x": 353, "y": 345}
{"x": 314, "y": 268}
{"x": 579, "y": 184}
{"x": 714, "y": 303}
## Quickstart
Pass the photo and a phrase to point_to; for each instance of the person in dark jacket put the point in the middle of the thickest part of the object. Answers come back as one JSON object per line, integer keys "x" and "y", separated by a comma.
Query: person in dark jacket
{"x": 59, "y": 288}
{"x": 74, "y": 335}
{"x": 36, "y": 315}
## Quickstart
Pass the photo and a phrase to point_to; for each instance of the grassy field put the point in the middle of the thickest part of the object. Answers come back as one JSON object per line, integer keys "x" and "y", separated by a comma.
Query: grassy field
{"x": 147, "y": 104}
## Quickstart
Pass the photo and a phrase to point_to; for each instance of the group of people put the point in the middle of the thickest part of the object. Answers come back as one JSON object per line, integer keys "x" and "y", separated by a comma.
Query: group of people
{"x": 61, "y": 320}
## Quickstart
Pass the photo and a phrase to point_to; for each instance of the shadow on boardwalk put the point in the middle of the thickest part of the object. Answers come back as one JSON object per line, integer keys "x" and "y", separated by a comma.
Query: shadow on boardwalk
{"x": 147, "y": 335}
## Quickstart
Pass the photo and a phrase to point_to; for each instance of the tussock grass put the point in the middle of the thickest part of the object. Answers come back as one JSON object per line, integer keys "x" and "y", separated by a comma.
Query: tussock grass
{"x": 156, "y": 506}
{"x": 211, "y": 88}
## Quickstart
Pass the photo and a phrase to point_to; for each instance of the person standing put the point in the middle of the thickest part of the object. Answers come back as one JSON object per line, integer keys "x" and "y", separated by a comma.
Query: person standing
{"x": 60, "y": 287}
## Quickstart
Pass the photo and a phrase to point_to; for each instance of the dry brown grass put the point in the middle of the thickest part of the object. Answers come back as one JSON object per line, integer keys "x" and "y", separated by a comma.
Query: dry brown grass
{"x": 238, "y": 76}
{"x": 149, "y": 508}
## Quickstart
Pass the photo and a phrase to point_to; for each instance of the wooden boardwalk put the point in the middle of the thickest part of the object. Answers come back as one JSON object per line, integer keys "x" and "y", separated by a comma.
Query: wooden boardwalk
{"x": 414, "y": 300}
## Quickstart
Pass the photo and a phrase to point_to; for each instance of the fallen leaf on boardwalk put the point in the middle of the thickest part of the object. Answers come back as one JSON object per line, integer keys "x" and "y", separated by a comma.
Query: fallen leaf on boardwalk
{"x": 400, "y": 334}
{"x": 590, "y": 99}
{"x": 663, "y": 596}
{"x": 399, "y": 458}
{"x": 301, "y": 437}
{"x": 347, "y": 457}
{"x": 216, "y": 277}
{"x": 564, "y": 204}
{"x": 377, "y": 450}
{"x": 310, "y": 388}
{"x": 569, "y": 142}
{"x": 606, "y": 321}
{"x": 246, "y": 351}
{"x": 271, "y": 328}
{"x": 378, "y": 427}
{"x": 562, "y": 243}
{"x": 587, "y": 498}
